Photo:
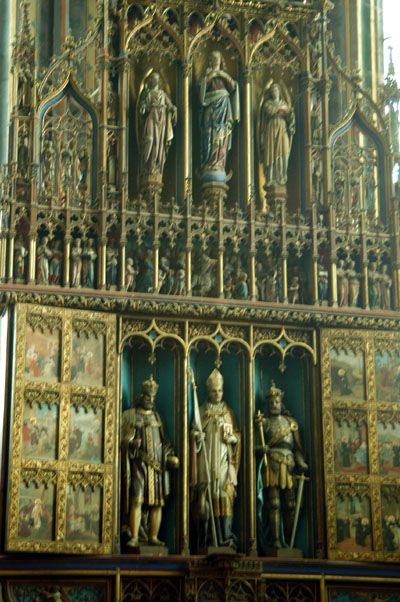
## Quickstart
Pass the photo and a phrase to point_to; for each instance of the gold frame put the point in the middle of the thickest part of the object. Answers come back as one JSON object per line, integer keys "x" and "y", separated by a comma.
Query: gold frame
{"x": 372, "y": 481}
{"x": 61, "y": 471}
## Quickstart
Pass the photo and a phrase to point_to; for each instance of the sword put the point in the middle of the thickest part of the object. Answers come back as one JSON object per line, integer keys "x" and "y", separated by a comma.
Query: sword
{"x": 300, "y": 488}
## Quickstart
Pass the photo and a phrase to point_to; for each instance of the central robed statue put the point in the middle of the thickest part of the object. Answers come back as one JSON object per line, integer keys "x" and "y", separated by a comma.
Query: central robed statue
{"x": 215, "y": 460}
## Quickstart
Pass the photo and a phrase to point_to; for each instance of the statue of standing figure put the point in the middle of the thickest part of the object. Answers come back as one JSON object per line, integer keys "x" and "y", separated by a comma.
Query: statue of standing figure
{"x": 215, "y": 461}
{"x": 219, "y": 99}
{"x": 277, "y": 127}
{"x": 146, "y": 457}
{"x": 160, "y": 116}
{"x": 280, "y": 451}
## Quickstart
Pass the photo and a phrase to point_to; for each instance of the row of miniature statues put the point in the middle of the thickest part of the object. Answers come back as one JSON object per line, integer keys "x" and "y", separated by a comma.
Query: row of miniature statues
{"x": 147, "y": 457}
{"x": 171, "y": 275}
{"x": 220, "y": 110}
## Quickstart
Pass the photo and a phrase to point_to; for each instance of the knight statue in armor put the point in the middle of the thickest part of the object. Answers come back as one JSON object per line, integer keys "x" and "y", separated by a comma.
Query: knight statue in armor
{"x": 215, "y": 460}
{"x": 147, "y": 457}
{"x": 281, "y": 455}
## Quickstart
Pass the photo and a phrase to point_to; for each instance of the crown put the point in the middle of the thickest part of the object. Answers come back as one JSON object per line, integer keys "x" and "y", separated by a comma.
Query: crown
{"x": 214, "y": 380}
{"x": 274, "y": 392}
{"x": 149, "y": 387}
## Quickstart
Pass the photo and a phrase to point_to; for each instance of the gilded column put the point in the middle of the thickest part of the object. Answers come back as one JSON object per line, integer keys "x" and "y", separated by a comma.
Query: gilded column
{"x": 32, "y": 258}
{"x": 67, "y": 256}
{"x": 186, "y": 171}
{"x": 248, "y": 151}
{"x": 185, "y": 456}
{"x": 122, "y": 263}
{"x": 365, "y": 285}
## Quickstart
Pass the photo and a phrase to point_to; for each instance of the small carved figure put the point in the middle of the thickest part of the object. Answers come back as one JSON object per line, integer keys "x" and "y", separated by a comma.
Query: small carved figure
{"x": 89, "y": 256}
{"x": 44, "y": 254}
{"x": 354, "y": 284}
{"x": 241, "y": 290}
{"x": 48, "y": 158}
{"x": 56, "y": 262}
{"x": 130, "y": 274}
{"x": 76, "y": 262}
{"x": 386, "y": 285}
{"x": 294, "y": 290}
{"x": 82, "y": 166}
{"x": 112, "y": 103}
{"x": 374, "y": 293}
{"x": 160, "y": 117}
{"x": 342, "y": 284}
{"x": 179, "y": 282}
{"x": 67, "y": 177}
{"x": 166, "y": 277}
{"x": 228, "y": 288}
{"x": 20, "y": 254}
{"x": 111, "y": 265}
{"x": 147, "y": 457}
{"x": 23, "y": 151}
{"x": 112, "y": 163}
{"x": 277, "y": 126}
{"x": 219, "y": 99}
{"x": 204, "y": 277}
{"x": 271, "y": 286}
{"x": 322, "y": 281}
{"x": 280, "y": 451}
{"x": 216, "y": 446}
{"x": 145, "y": 283}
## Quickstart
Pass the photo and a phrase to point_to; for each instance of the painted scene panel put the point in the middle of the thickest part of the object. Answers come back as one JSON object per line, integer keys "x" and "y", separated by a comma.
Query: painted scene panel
{"x": 87, "y": 361}
{"x": 86, "y": 435}
{"x": 350, "y": 447}
{"x": 39, "y": 432}
{"x": 36, "y": 509}
{"x": 389, "y": 449}
{"x": 348, "y": 374}
{"x": 390, "y": 524}
{"x": 387, "y": 376}
{"x": 353, "y": 524}
{"x": 42, "y": 355}
{"x": 83, "y": 522}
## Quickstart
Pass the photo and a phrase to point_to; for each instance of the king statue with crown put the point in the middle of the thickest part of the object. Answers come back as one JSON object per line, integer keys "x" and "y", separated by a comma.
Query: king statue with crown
{"x": 215, "y": 460}
{"x": 147, "y": 457}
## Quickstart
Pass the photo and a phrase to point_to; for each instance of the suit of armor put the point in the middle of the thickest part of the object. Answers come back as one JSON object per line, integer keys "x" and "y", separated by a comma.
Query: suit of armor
{"x": 282, "y": 454}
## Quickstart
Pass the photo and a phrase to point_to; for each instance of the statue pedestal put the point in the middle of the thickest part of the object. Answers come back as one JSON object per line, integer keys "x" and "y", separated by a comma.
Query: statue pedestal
{"x": 283, "y": 552}
{"x": 213, "y": 192}
{"x": 151, "y": 186}
{"x": 145, "y": 549}
{"x": 275, "y": 197}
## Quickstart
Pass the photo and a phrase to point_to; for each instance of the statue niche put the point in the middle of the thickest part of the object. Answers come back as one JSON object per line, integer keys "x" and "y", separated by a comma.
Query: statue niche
{"x": 157, "y": 117}
{"x": 276, "y": 130}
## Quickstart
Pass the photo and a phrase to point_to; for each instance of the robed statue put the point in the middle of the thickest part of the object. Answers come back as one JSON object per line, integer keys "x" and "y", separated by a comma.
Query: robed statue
{"x": 281, "y": 460}
{"x": 215, "y": 460}
{"x": 147, "y": 457}
{"x": 277, "y": 126}
{"x": 159, "y": 116}
{"x": 219, "y": 99}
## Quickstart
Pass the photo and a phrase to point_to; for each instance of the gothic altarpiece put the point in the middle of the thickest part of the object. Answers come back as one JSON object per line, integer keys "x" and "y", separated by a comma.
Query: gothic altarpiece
{"x": 195, "y": 186}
